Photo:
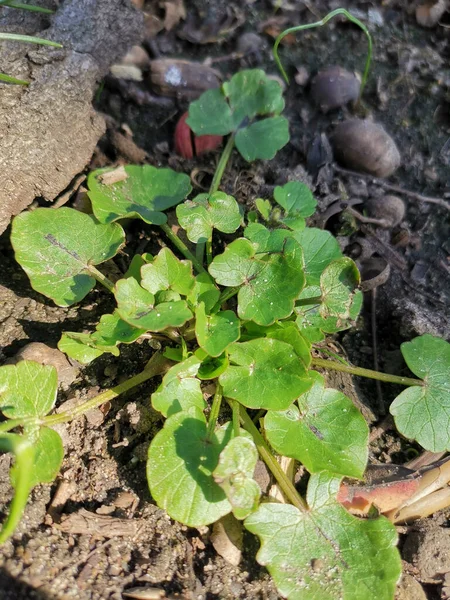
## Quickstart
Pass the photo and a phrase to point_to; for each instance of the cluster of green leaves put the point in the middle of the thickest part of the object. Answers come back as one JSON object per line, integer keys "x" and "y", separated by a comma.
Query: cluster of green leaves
{"x": 246, "y": 324}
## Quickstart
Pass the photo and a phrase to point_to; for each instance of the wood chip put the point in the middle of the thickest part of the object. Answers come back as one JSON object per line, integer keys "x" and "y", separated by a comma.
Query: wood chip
{"x": 85, "y": 522}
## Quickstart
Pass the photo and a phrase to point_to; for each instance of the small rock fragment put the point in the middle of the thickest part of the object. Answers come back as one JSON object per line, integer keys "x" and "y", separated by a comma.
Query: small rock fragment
{"x": 409, "y": 589}
{"x": 428, "y": 14}
{"x": 365, "y": 146}
{"x": 334, "y": 87}
{"x": 43, "y": 354}
{"x": 182, "y": 79}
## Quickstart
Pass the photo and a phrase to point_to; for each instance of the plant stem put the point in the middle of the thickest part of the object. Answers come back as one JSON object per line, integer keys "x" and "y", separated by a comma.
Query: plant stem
{"x": 286, "y": 485}
{"x": 215, "y": 409}
{"x": 155, "y": 366}
{"x": 108, "y": 284}
{"x": 222, "y": 165}
{"x": 209, "y": 256}
{"x": 181, "y": 246}
{"x": 308, "y": 301}
{"x": 227, "y": 294}
{"x": 235, "y": 409}
{"x": 10, "y": 424}
{"x": 360, "y": 372}
{"x": 29, "y": 39}
{"x": 338, "y": 11}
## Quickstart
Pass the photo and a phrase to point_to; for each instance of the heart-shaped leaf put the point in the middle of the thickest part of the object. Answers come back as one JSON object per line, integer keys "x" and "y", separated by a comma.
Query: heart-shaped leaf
{"x": 216, "y": 332}
{"x": 27, "y": 389}
{"x": 113, "y": 330}
{"x": 144, "y": 193}
{"x": 422, "y": 412}
{"x": 56, "y": 248}
{"x": 204, "y": 290}
{"x": 298, "y": 202}
{"x": 167, "y": 272}
{"x": 137, "y": 307}
{"x": 288, "y": 332}
{"x": 180, "y": 389}
{"x": 264, "y": 373}
{"x": 312, "y": 431}
{"x": 320, "y": 248}
{"x": 325, "y": 553}
{"x": 270, "y": 281}
{"x": 238, "y": 107}
{"x": 81, "y": 347}
{"x": 262, "y": 139}
{"x": 181, "y": 460}
{"x": 234, "y": 474}
{"x": 340, "y": 295}
{"x": 207, "y": 212}
{"x": 48, "y": 456}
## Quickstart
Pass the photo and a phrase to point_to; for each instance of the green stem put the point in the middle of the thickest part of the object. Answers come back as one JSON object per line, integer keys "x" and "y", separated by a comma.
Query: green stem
{"x": 107, "y": 283}
{"x": 8, "y": 79}
{"x": 227, "y": 294}
{"x": 155, "y": 366}
{"x": 338, "y": 11}
{"x": 181, "y": 246}
{"x": 11, "y": 424}
{"x": 308, "y": 301}
{"x": 360, "y": 372}
{"x": 30, "y": 7}
{"x": 286, "y": 485}
{"x": 215, "y": 409}
{"x": 222, "y": 165}
{"x": 235, "y": 408}
{"x": 209, "y": 256}
{"x": 200, "y": 251}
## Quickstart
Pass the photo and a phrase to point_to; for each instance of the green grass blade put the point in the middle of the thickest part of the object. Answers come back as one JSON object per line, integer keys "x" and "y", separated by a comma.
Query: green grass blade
{"x": 29, "y": 39}
{"x": 9, "y": 79}
{"x": 30, "y": 7}
{"x": 334, "y": 13}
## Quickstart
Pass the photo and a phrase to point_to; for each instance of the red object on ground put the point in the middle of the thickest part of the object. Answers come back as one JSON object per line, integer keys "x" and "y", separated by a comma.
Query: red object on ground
{"x": 188, "y": 145}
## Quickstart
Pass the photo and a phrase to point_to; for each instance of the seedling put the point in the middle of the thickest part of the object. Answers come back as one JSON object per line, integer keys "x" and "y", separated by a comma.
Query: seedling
{"x": 246, "y": 320}
{"x": 324, "y": 21}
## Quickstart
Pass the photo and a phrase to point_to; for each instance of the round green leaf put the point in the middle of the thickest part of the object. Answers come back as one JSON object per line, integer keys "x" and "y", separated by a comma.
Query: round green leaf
{"x": 137, "y": 307}
{"x": 49, "y": 454}
{"x": 262, "y": 139}
{"x": 264, "y": 373}
{"x": 250, "y": 93}
{"x": 205, "y": 291}
{"x": 210, "y": 114}
{"x": 27, "y": 389}
{"x": 296, "y": 198}
{"x": 234, "y": 474}
{"x": 326, "y": 553}
{"x": 212, "y": 366}
{"x": 82, "y": 348}
{"x": 422, "y": 413}
{"x": 168, "y": 272}
{"x": 113, "y": 330}
{"x": 56, "y": 247}
{"x": 340, "y": 295}
{"x": 216, "y": 332}
{"x": 180, "y": 389}
{"x": 181, "y": 460}
{"x": 288, "y": 332}
{"x": 207, "y": 212}
{"x": 320, "y": 248}
{"x": 145, "y": 193}
{"x": 270, "y": 281}
{"x": 312, "y": 431}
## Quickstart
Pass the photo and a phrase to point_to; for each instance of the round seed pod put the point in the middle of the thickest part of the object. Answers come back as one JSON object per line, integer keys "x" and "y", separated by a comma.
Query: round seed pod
{"x": 390, "y": 209}
{"x": 250, "y": 43}
{"x": 365, "y": 146}
{"x": 334, "y": 87}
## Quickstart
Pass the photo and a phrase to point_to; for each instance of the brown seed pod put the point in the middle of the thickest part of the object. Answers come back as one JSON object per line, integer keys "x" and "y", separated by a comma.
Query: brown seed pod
{"x": 390, "y": 209}
{"x": 181, "y": 78}
{"x": 365, "y": 146}
{"x": 334, "y": 87}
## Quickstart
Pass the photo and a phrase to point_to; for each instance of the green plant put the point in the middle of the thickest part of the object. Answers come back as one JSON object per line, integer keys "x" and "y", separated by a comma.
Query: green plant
{"x": 247, "y": 321}
{"x": 23, "y": 38}
{"x": 324, "y": 21}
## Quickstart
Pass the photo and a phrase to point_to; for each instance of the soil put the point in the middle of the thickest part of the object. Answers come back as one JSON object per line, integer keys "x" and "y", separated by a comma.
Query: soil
{"x": 95, "y": 532}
